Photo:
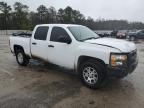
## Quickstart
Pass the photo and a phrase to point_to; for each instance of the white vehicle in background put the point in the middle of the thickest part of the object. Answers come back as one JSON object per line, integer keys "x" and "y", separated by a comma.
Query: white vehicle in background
{"x": 79, "y": 48}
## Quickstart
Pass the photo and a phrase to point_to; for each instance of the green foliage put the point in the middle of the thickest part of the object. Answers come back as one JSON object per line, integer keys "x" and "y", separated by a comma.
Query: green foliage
{"x": 21, "y": 18}
{"x": 21, "y": 14}
{"x": 5, "y": 9}
{"x": 42, "y": 10}
{"x": 69, "y": 15}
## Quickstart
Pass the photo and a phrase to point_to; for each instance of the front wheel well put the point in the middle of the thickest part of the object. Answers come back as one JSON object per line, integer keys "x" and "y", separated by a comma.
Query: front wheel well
{"x": 82, "y": 59}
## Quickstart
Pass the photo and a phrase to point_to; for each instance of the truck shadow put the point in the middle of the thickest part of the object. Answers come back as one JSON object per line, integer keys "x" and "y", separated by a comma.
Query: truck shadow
{"x": 109, "y": 84}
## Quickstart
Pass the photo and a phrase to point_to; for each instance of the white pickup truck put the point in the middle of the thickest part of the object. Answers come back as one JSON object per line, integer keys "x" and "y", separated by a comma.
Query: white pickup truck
{"x": 79, "y": 48}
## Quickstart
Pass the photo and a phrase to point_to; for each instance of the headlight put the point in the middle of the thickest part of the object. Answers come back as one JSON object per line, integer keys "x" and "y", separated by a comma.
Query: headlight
{"x": 118, "y": 60}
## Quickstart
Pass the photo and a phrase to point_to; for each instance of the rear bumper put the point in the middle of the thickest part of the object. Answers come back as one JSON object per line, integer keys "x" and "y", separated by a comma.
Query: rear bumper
{"x": 119, "y": 72}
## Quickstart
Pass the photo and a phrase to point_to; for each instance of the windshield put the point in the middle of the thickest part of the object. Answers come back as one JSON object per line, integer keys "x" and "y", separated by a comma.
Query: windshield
{"x": 82, "y": 33}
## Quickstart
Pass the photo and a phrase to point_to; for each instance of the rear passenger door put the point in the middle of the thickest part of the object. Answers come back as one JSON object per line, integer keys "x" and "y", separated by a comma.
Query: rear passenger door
{"x": 39, "y": 43}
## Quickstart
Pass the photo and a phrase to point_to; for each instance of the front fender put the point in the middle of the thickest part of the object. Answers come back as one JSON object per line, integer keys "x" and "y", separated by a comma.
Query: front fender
{"x": 95, "y": 51}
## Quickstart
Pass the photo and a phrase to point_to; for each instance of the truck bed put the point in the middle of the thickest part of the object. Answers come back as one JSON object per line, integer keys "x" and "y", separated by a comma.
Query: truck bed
{"x": 22, "y": 34}
{"x": 21, "y": 40}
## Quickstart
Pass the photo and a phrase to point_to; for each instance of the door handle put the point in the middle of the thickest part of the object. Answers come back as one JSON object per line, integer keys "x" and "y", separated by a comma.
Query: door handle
{"x": 51, "y": 46}
{"x": 34, "y": 43}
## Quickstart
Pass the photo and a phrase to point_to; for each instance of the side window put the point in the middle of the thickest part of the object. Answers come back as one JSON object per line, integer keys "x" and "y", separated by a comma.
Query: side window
{"x": 41, "y": 33}
{"x": 57, "y": 32}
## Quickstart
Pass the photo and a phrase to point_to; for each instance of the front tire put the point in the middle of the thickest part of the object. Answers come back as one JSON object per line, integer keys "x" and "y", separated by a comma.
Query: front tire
{"x": 21, "y": 58}
{"x": 92, "y": 74}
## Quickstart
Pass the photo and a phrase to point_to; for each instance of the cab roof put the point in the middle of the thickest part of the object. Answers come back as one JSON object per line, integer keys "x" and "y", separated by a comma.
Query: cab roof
{"x": 59, "y": 25}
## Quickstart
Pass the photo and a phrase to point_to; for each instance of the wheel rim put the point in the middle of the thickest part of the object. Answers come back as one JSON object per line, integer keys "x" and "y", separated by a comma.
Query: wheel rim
{"x": 20, "y": 57}
{"x": 90, "y": 75}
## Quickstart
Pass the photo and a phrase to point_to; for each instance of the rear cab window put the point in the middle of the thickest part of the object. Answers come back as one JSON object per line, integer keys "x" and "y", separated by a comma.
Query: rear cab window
{"x": 41, "y": 33}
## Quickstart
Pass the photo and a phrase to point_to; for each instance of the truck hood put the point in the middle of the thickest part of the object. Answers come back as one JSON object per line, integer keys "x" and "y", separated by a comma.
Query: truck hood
{"x": 122, "y": 45}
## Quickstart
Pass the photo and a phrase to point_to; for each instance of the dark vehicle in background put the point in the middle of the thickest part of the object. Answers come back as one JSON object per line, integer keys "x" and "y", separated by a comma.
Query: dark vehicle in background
{"x": 136, "y": 35}
{"x": 114, "y": 33}
{"x": 104, "y": 34}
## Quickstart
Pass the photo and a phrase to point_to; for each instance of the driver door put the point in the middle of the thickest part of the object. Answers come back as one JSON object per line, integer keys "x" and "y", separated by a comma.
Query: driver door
{"x": 60, "y": 53}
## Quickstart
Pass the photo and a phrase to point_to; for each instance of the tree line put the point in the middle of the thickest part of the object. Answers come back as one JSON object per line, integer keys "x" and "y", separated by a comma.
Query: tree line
{"x": 20, "y": 17}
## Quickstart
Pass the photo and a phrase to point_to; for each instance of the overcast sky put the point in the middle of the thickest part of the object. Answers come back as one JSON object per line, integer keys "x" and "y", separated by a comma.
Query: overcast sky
{"x": 132, "y": 10}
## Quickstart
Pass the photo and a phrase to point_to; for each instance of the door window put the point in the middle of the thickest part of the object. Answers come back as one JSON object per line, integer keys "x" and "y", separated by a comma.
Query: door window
{"x": 41, "y": 33}
{"x": 57, "y": 32}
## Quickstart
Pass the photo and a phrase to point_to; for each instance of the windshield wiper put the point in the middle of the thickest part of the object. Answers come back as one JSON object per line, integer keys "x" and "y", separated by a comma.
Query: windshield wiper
{"x": 90, "y": 38}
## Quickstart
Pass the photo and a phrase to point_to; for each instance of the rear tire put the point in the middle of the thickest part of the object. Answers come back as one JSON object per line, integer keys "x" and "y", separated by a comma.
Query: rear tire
{"x": 21, "y": 58}
{"x": 92, "y": 74}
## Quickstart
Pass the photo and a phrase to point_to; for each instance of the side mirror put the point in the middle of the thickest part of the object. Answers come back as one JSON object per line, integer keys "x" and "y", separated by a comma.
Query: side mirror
{"x": 64, "y": 39}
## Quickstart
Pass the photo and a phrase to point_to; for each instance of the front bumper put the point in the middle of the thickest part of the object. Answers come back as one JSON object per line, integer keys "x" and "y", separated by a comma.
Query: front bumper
{"x": 124, "y": 71}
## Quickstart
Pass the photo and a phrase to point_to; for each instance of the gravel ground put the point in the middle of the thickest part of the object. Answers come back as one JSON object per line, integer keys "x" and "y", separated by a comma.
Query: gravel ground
{"x": 41, "y": 85}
